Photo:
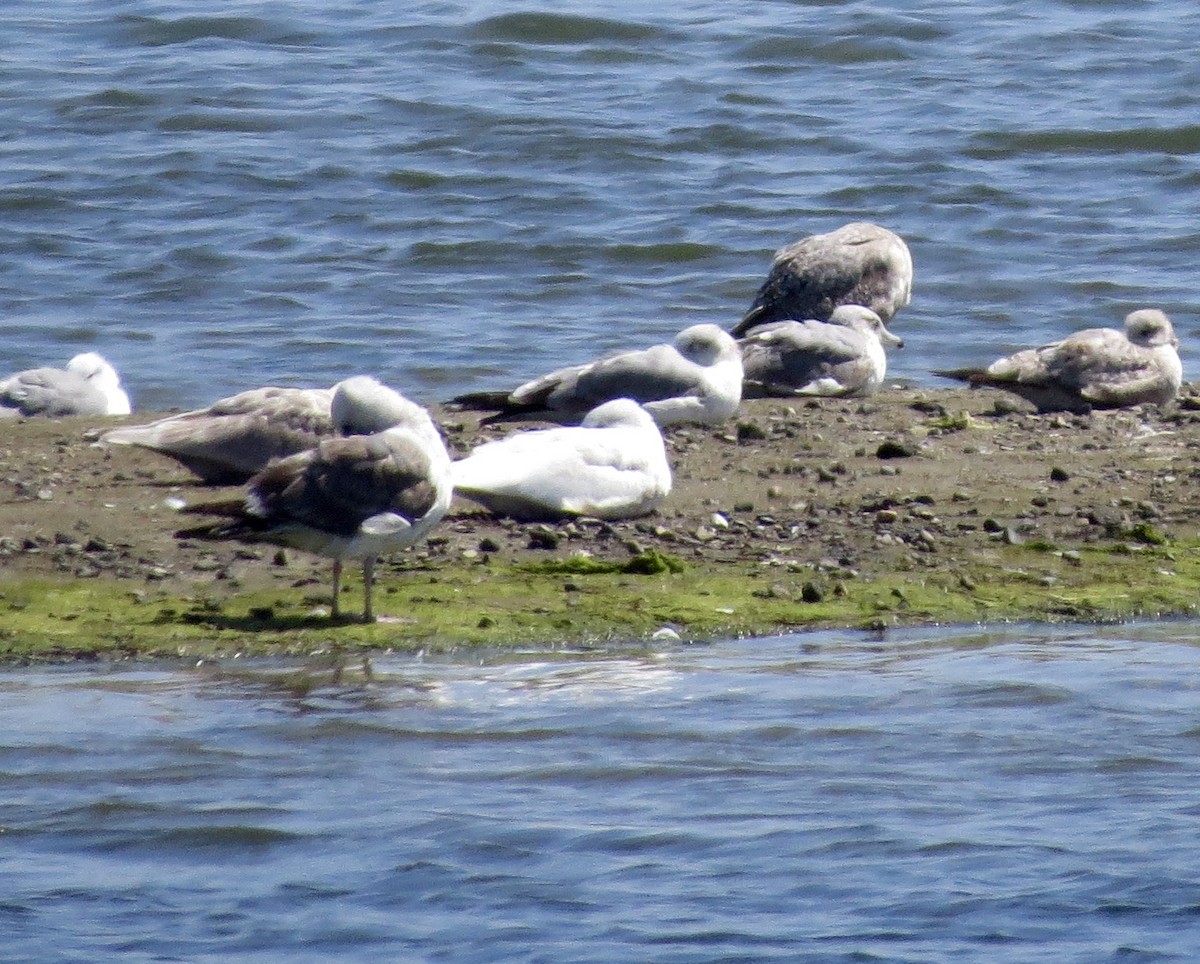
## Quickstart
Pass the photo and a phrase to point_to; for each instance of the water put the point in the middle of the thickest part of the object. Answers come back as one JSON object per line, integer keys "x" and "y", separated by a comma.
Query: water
{"x": 1010, "y": 795}
{"x": 455, "y": 195}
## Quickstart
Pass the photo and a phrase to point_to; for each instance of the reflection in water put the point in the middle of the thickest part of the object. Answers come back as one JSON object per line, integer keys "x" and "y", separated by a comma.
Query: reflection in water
{"x": 918, "y": 795}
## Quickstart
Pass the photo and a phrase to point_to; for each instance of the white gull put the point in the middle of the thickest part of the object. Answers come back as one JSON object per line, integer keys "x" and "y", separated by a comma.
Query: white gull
{"x": 612, "y": 466}
{"x": 89, "y": 385}
{"x": 695, "y": 378}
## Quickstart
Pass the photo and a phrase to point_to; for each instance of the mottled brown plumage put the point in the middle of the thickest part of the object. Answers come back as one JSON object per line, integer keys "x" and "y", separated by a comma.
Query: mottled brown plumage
{"x": 858, "y": 264}
{"x": 1093, "y": 368}
{"x": 347, "y": 498}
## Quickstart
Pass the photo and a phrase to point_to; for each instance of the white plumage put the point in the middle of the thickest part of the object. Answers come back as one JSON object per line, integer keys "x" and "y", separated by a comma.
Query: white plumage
{"x": 695, "y": 378}
{"x": 612, "y": 466}
{"x": 88, "y": 385}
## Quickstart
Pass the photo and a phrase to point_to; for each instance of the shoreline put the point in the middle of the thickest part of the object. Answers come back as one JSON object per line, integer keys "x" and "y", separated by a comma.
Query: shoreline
{"x": 912, "y": 506}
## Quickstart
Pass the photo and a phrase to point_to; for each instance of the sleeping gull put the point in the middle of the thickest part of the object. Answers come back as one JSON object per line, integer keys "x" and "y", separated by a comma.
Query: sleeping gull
{"x": 89, "y": 385}
{"x": 347, "y": 498}
{"x": 840, "y": 357}
{"x": 695, "y": 378}
{"x": 1094, "y": 368}
{"x": 858, "y": 264}
{"x": 612, "y": 466}
{"x": 236, "y": 437}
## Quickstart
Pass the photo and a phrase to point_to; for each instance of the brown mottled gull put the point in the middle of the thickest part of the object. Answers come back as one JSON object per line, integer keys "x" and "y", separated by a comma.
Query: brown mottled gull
{"x": 858, "y": 264}
{"x": 1094, "y": 368}
{"x": 235, "y": 437}
{"x": 347, "y": 498}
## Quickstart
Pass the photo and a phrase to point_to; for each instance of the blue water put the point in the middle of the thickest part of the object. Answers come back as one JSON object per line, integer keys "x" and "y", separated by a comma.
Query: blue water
{"x": 1012, "y": 795}
{"x": 455, "y": 195}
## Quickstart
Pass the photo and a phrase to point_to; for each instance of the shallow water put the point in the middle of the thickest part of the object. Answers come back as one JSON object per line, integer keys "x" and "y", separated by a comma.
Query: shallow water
{"x": 1011, "y": 795}
{"x": 469, "y": 193}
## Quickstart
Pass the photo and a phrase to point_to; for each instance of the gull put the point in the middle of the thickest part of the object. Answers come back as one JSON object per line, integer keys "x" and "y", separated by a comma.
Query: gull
{"x": 840, "y": 357}
{"x": 346, "y": 498}
{"x": 858, "y": 264}
{"x": 89, "y": 385}
{"x": 235, "y": 437}
{"x": 612, "y": 466}
{"x": 1093, "y": 368}
{"x": 695, "y": 378}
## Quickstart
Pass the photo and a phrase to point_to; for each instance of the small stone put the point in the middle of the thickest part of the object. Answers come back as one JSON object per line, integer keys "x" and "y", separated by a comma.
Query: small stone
{"x": 812, "y": 592}
{"x": 543, "y": 537}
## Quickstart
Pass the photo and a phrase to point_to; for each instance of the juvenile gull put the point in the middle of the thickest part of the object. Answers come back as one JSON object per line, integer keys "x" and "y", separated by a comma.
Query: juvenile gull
{"x": 612, "y": 466}
{"x": 840, "y": 357}
{"x": 89, "y": 385}
{"x": 695, "y": 378}
{"x": 858, "y": 264}
{"x": 1094, "y": 368}
{"x": 235, "y": 437}
{"x": 347, "y": 498}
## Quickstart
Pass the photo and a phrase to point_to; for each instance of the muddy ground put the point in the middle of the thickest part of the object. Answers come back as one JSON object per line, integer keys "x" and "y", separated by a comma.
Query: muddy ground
{"x": 911, "y": 480}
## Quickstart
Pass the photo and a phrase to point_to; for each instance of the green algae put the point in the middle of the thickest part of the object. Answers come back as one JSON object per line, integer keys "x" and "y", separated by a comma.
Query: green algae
{"x": 582, "y": 601}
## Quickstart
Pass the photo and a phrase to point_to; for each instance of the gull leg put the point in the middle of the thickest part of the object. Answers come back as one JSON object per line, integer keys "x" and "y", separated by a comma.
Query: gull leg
{"x": 368, "y": 582}
{"x": 337, "y": 587}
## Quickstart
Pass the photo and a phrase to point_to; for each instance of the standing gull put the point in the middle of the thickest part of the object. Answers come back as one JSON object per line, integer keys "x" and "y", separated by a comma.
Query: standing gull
{"x": 89, "y": 385}
{"x": 841, "y": 357}
{"x": 612, "y": 466}
{"x": 1094, "y": 368}
{"x": 235, "y": 437}
{"x": 695, "y": 378}
{"x": 346, "y": 498}
{"x": 858, "y": 264}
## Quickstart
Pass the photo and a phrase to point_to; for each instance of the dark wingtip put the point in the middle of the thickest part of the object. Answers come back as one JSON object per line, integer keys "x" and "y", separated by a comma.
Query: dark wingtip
{"x": 480, "y": 401}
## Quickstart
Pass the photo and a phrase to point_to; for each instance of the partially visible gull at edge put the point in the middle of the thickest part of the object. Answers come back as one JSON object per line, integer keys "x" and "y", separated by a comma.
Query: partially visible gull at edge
{"x": 357, "y": 497}
{"x": 235, "y": 437}
{"x": 1093, "y": 368}
{"x": 89, "y": 385}
{"x": 841, "y": 357}
{"x": 858, "y": 264}
{"x": 695, "y": 378}
{"x": 612, "y": 466}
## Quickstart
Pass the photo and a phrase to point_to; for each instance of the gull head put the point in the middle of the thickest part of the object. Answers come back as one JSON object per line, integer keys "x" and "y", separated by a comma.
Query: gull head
{"x": 619, "y": 412}
{"x": 864, "y": 320}
{"x": 1150, "y": 328}
{"x": 706, "y": 345}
